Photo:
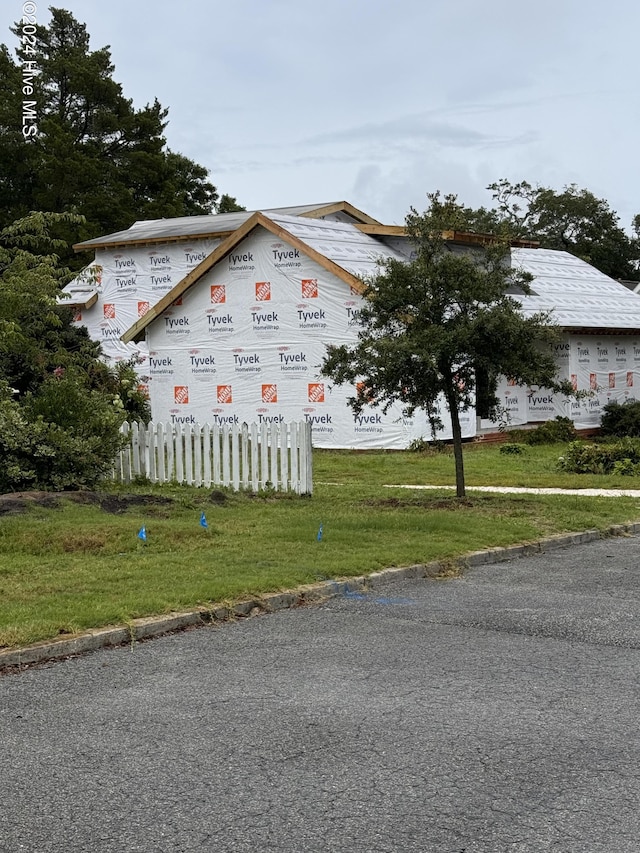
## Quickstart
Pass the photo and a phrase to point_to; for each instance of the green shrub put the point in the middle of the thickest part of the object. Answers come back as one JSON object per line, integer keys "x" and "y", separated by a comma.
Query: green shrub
{"x": 513, "y": 449}
{"x": 621, "y": 419}
{"x": 66, "y": 437}
{"x": 557, "y": 431}
{"x": 621, "y": 457}
{"x": 421, "y": 445}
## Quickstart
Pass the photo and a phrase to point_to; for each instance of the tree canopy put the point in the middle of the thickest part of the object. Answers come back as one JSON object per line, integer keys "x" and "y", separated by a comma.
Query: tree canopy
{"x": 93, "y": 153}
{"x": 444, "y": 327}
{"x": 572, "y": 220}
{"x": 61, "y": 406}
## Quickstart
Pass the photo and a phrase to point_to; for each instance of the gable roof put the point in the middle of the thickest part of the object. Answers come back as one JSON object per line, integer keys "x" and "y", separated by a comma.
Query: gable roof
{"x": 216, "y": 225}
{"x": 338, "y": 247}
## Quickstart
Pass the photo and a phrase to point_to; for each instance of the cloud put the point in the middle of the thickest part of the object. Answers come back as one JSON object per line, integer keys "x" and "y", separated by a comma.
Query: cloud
{"x": 409, "y": 127}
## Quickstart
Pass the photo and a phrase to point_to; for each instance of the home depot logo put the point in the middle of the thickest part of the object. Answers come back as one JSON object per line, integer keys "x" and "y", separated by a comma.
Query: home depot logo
{"x": 181, "y": 394}
{"x": 315, "y": 392}
{"x": 109, "y": 311}
{"x": 218, "y": 294}
{"x": 143, "y": 307}
{"x": 309, "y": 288}
{"x": 270, "y": 393}
{"x": 224, "y": 394}
{"x": 263, "y": 291}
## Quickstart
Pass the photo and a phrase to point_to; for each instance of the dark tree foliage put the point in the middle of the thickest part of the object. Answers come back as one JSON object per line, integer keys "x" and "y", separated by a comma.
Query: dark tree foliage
{"x": 61, "y": 406}
{"x": 573, "y": 220}
{"x": 621, "y": 419}
{"x": 228, "y": 204}
{"x": 444, "y": 326}
{"x": 93, "y": 154}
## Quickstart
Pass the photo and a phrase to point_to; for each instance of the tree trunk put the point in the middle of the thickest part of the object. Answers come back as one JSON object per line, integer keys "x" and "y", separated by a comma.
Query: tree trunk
{"x": 452, "y": 404}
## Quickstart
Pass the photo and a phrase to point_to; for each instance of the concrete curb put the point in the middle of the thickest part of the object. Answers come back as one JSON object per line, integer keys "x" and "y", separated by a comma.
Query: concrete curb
{"x": 156, "y": 626}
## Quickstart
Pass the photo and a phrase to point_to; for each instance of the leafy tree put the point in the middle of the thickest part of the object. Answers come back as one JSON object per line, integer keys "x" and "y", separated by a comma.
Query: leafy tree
{"x": 228, "y": 204}
{"x": 93, "y": 153}
{"x": 573, "y": 220}
{"x": 61, "y": 406}
{"x": 444, "y": 326}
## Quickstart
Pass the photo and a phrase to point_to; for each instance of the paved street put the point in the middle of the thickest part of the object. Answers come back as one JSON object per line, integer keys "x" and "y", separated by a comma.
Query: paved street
{"x": 494, "y": 712}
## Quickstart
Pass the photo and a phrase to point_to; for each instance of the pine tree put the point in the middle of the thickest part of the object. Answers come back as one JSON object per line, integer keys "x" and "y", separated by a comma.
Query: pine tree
{"x": 94, "y": 153}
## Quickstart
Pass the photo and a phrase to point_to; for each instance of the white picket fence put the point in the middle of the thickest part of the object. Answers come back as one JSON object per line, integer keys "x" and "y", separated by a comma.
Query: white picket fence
{"x": 240, "y": 456}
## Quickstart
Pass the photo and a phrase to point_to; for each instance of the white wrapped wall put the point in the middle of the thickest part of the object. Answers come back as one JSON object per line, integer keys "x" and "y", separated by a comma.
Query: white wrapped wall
{"x": 605, "y": 366}
{"x": 246, "y": 343}
{"x": 129, "y": 281}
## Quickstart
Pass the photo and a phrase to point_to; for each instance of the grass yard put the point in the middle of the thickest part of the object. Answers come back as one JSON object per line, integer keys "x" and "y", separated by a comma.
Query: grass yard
{"x": 76, "y": 566}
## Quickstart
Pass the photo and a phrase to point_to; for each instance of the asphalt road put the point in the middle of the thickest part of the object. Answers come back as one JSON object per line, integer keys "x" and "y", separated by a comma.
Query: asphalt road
{"x": 494, "y": 712}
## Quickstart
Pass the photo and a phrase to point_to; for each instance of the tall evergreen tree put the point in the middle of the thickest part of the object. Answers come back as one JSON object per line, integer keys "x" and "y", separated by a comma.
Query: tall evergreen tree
{"x": 94, "y": 153}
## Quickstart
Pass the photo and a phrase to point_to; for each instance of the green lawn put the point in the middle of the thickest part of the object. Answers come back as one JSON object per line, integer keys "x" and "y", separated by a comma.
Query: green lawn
{"x": 75, "y": 567}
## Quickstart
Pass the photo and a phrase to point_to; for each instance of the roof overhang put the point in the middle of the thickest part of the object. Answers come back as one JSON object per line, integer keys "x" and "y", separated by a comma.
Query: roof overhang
{"x": 79, "y": 299}
{"x": 218, "y": 230}
{"x": 592, "y": 330}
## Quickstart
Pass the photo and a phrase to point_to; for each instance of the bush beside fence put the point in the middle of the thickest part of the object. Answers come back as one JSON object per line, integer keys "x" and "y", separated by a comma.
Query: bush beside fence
{"x": 241, "y": 456}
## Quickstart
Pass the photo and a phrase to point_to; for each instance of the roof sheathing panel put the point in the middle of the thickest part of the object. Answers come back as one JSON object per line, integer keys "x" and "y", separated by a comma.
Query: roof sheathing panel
{"x": 189, "y": 227}
{"x": 579, "y": 295}
{"x": 342, "y": 243}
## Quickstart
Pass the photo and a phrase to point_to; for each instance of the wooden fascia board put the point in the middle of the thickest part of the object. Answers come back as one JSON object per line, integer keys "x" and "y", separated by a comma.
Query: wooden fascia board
{"x": 135, "y": 332}
{"x": 382, "y": 230}
{"x": 464, "y": 237}
{"x": 475, "y": 239}
{"x": 341, "y": 207}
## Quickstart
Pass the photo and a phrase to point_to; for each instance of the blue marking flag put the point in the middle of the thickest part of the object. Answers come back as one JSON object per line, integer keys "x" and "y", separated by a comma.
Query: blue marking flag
{"x": 320, "y": 531}
{"x": 203, "y": 521}
{"x": 142, "y": 533}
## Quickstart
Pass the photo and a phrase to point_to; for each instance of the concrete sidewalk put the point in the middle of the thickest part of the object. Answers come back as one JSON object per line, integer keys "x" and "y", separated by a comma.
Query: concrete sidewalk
{"x": 587, "y": 493}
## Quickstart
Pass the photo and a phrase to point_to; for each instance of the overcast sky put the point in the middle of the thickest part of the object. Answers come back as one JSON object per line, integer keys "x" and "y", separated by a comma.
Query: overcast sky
{"x": 379, "y": 102}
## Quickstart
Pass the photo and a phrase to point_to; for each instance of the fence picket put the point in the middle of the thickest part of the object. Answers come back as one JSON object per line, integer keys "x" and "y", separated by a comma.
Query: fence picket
{"x": 206, "y": 455}
{"x": 274, "y": 453}
{"x": 226, "y": 457}
{"x": 188, "y": 454}
{"x": 179, "y": 453}
{"x": 235, "y": 457}
{"x": 217, "y": 476}
{"x": 160, "y": 446}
